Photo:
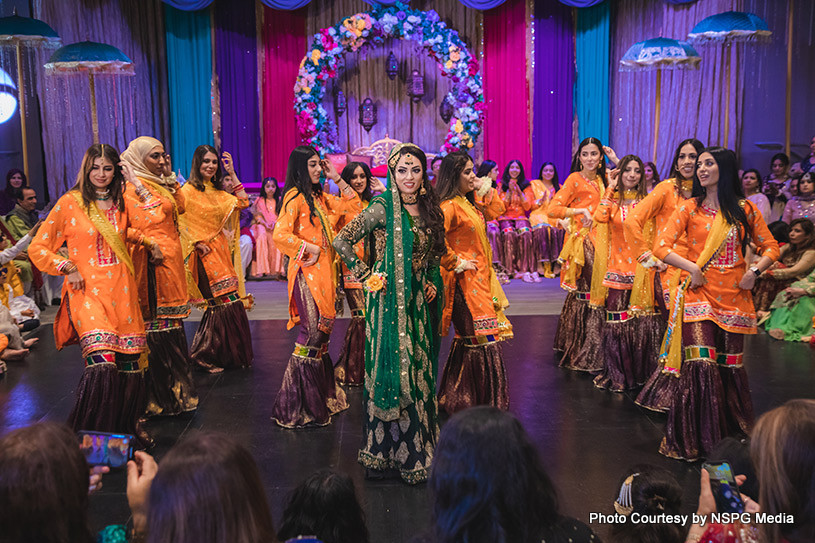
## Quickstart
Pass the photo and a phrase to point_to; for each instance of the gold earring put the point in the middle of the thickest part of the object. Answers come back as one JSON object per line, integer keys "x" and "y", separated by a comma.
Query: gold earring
{"x": 422, "y": 191}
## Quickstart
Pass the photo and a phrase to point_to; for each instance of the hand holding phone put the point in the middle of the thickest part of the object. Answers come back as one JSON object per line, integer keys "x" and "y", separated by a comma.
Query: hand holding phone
{"x": 724, "y": 487}
{"x": 105, "y": 449}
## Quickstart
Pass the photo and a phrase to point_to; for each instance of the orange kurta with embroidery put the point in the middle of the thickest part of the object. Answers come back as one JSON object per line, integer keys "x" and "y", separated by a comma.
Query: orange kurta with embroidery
{"x": 348, "y": 213}
{"x": 659, "y": 205}
{"x": 540, "y": 196}
{"x": 105, "y": 315}
{"x": 156, "y": 216}
{"x": 212, "y": 217}
{"x": 295, "y": 227}
{"x": 622, "y": 264}
{"x": 515, "y": 208}
{"x": 463, "y": 241}
{"x": 720, "y": 299}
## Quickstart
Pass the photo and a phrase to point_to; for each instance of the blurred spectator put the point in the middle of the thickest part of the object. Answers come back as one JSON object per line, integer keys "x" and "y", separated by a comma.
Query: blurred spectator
{"x": 15, "y": 179}
{"x": 648, "y": 490}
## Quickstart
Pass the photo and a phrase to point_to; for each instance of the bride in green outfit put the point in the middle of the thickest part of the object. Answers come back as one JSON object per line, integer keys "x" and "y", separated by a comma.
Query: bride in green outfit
{"x": 403, "y": 230}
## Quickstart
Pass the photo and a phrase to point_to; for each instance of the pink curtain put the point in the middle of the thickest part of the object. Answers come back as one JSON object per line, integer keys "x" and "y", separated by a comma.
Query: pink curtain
{"x": 284, "y": 44}
{"x": 506, "y": 88}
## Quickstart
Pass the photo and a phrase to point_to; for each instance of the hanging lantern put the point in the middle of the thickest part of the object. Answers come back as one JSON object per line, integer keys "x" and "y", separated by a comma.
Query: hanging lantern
{"x": 446, "y": 110}
{"x": 392, "y": 66}
{"x": 367, "y": 114}
{"x": 340, "y": 104}
{"x": 416, "y": 86}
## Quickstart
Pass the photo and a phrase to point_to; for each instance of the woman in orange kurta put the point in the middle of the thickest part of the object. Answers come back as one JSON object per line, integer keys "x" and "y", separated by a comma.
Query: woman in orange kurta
{"x": 154, "y": 202}
{"x": 546, "y": 233}
{"x": 474, "y": 301}
{"x": 100, "y": 303}
{"x": 658, "y": 207}
{"x": 632, "y": 332}
{"x": 305, "y": 232}
{"x": 713, "y": 308}
{"x": 578, "y": 335}
{"x": 516, "y": 233}
{"x": 268, "y": 258}
{"x": 209, "y": 240}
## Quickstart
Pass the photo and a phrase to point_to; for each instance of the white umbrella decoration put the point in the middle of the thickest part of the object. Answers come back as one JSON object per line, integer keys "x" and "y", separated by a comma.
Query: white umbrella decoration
{"x": 19, "y": 33}
{"x": 93, "y": 59}
{"x": 659, "y": 54}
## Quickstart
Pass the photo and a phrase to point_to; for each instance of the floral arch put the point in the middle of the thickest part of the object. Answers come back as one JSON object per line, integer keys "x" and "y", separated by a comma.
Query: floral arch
{"x": 373, "y": 27}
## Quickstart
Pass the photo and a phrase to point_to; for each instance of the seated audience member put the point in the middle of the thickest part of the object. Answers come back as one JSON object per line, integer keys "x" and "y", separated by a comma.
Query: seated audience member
{"x": 206, "y": 490}
{"x": 751, "y": 182}
{"x": 324, "y": 506}
{"x": 802, "y": 205}
{"x": 736, "y": 452}
{"x": 15, "y": 180}
{"x": 782, "y": 448}
{"x": 780, "y": 231}
{"x": 796, "y": 262}
{"x": 648, "y": 490}
{"x": 435, "y": 165}
{"x": 792, "y": 311}
{"x": 487, "y": 484}
{"x": 25, "y": 312}
{"x": 807, "y": 164}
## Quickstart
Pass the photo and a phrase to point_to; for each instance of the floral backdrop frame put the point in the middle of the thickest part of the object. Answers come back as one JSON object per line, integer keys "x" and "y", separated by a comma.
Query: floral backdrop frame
{"x": 371, "y": 28}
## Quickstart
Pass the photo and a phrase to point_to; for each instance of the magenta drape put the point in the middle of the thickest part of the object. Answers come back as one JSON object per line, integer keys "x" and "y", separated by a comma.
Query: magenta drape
{"x": 284, "y": 44}
{"x": 506, "y": 90}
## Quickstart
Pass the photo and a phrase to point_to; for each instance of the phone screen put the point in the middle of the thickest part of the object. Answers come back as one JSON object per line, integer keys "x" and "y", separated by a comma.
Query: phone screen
{"x": 104, "y": 449}
{"x": 724, "y": 487}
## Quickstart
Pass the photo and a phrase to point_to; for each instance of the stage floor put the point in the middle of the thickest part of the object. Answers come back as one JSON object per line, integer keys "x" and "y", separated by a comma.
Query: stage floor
{"x": 586, "y": 437}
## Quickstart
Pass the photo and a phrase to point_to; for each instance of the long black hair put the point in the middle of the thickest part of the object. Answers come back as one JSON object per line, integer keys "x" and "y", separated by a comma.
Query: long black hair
{"x": 449, "y": 175}
{"x": 601, "y": 168}
{"x": 195, "y": 169}
{"x": 349, "y": 171}
{"x": 642, "y": 185}
{"x": 654, "y": 491}
{"x": 298, "y": 179}
{"x": 10, "y": 190}
{"x": 698, "y": 145}
{"x": 729, "y": 191}
{"x": 277, "y": 195}
{"x": 485, "y": 168}
{"x": 522, "y": 181}
{"x": 83, "y": 182}
{"x": 555, "y": 178}
{"x": 487, "y": 482}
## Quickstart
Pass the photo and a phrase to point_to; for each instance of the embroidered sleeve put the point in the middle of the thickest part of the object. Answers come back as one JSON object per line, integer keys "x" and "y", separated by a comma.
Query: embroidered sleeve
{"x": 634, "y": 224}
{"x": 563, "y": 198}
{"x": 43, "y": 248}
{"x": 676, "y": 226}
{"x": 363, "y": 224}
{"x": 767, "y": 245}
{"x": 284, "y": 236}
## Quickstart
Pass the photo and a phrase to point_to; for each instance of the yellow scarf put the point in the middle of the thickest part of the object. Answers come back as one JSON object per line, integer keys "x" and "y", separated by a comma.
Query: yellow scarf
{"x": 573, "y": 255}
{"x": 106, "y": 230}
{"x": 599, "y": 292}
{"x": 12, "y": 280}
{"x": 671, "y": 352}
{"x": 642, "y": 292}
{"x": 328, "y": 232}
{"x": 499, "y": 298}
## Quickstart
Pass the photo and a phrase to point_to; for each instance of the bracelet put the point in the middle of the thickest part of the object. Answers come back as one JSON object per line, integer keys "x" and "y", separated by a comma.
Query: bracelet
{"x": 237, "y": 188}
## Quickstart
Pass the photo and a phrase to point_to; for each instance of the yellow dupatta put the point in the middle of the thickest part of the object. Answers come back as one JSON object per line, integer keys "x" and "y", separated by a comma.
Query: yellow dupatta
{"x": 642, "y": 292}
{"x": 599, "y": 292}
{"x": 106, "y": 230}
{"x": 573, "y": 253}
{"x": 12, "y": 280}
{"x": 671, "y": 351}
{"x": 499, "y": 298}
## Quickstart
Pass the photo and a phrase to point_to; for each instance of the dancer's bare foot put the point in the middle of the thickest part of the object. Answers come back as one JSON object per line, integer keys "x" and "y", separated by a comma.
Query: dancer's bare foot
{"x": 208, "y": 368}
{"x": 777, "y": 333}
{"x": 30, "y": 342}
{"x": 14, "y": 354}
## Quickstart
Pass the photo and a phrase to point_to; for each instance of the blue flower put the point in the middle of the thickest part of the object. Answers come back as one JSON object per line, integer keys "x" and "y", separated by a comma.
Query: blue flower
{"x": 401, "y": 15}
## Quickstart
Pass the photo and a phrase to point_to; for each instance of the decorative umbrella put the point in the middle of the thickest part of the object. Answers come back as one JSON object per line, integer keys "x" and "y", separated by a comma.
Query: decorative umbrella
{"x": 730, "y": 27}
{"x": 90, "y": 58}
{"x": 659, "y": 54}
{"x": 32, "y": 34}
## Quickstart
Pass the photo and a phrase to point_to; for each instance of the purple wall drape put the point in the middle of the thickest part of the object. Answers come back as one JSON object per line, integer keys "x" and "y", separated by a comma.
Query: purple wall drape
{"x": 236, "y": 65}
{"x": 552, "y": 104}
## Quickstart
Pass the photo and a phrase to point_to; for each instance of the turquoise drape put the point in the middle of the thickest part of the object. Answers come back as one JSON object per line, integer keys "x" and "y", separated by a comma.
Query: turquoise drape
{"x": 189, "y": 69}
{"x": 592, "y": 84}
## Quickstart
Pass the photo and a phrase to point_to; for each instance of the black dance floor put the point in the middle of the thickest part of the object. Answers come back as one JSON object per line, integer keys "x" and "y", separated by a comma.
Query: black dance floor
{"x": 586, "y": 437}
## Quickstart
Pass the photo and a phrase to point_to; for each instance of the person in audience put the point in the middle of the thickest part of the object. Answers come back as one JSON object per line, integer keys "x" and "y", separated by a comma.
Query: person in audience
{"x": 15, "y": 180}
{"x": 268, "y": 260}
{"x": 802, "y": 205}
{"x": 247, "y": 239}
{"x": 325, "y": 506}
{"x": 780, "y": 231}
{"x": 648, "y": 490}
{"x": 435, "y": 164}
{"x": 25, "y": 312}
{"x": 736, "y": 452}
{"x": 516, "y": 233}
{"x": 547, "y": 233}
{"x": 792, "y": 311}
{"x": 777, "y": 185}
{"x": 781, "y": 450}
{"x": 651, "y": 175}
{"x": 488, "y": 484}
{"x": 807, "y": 164}
{"x": 15, "y": 226}
{"x": 751, "y": 182}
{"x": 489, "y": 168}
{"x": 207, "y": 489}
{"x": 797, "y": 260}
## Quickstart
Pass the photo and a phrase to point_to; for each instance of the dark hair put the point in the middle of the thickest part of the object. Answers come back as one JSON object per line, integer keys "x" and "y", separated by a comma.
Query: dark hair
{"x": 349, "y": 171}
{"x": 325, "y": 505}
{"x": 11, "y": 191}
{"x": 736, "y": 452}
{"x": 484, "y": 170}
{"x": 429, "y": 209}
{"x": 642, "y": 184}
{"x": 449, "y": 175}
{"x": 785, "y": 160}
{"x": 43, "y": 486}
{"x": 654, "y": 491}
{"x": 195, "y": 170}
{"x": 298, "y": 179}
{"x": 277, "y": 195}
{"x": 809, "y": 243}
{"x": 729, "y": 191}
{"x": 654, "y": 170}
{"x": 522, "y": 181}
{"x": 83, "y": 183}
{"x": 698, "y": 145}
{"x": 758, "y": 176}
{"x": 208, "y": 489}
{"x": 780, "y": 231}
{"x": 436, "y": 158}
{"x": 601, "y": 168}
{"x": 555, "y": 179}
{"x": 809, "y": 177}
{"x": 487, "y": 482}
{"x": 20, "y": 193}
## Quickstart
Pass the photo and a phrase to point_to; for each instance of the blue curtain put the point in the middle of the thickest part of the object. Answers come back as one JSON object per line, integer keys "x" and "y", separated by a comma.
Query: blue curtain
{"x": 579, "y": 3}
{"x": 482, "y": 4}
{"x": 591, "y": 90}
{"x": 189, "y": 5}
{"x": 189, "y": 67}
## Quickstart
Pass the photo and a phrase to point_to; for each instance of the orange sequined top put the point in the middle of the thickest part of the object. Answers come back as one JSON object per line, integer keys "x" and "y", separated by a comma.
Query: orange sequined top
{"x": 575, "y": 192}
{"x": 622, "y": 262}
{"x": 720, "y": 299}
{"x": 540, "y": 196}
{"x": 353, "y": 208}
{"x": 516, "y": 207}
{"x": 659, "y": 205}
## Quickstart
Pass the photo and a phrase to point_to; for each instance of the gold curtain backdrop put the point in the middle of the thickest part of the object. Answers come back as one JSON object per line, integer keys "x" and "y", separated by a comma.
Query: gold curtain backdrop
{"x": 365, "y": 77}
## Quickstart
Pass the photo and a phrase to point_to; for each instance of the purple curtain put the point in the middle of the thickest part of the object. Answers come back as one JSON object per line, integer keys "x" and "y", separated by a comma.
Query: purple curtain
{"x": 554, "y": 87}
{"x": 482, "y": 4}
{"x": 236, "y": 65}
{"x": 581, "y": 3}
{"x": 189, "y": 5}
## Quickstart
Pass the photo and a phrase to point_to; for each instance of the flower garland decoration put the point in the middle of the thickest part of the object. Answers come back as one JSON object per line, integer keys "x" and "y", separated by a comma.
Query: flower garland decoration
{"x": 371, "y": 28}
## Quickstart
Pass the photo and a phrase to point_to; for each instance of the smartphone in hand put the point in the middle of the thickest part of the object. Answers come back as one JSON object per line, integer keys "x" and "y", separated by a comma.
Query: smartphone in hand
{"x": 724, "y": 487}
{"x": 105, "y": 449}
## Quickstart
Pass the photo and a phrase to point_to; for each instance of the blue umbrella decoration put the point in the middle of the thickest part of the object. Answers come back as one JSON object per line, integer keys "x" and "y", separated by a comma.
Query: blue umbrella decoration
{"x": 93, "y": 59}
{"x": 726, "y": 28}
{"x": 659, "y": 54}
{"x": 32, "y": 35}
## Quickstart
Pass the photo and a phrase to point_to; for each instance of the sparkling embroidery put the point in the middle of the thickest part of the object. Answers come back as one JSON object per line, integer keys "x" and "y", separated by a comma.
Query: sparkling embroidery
{"x": 104, "y": 255}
